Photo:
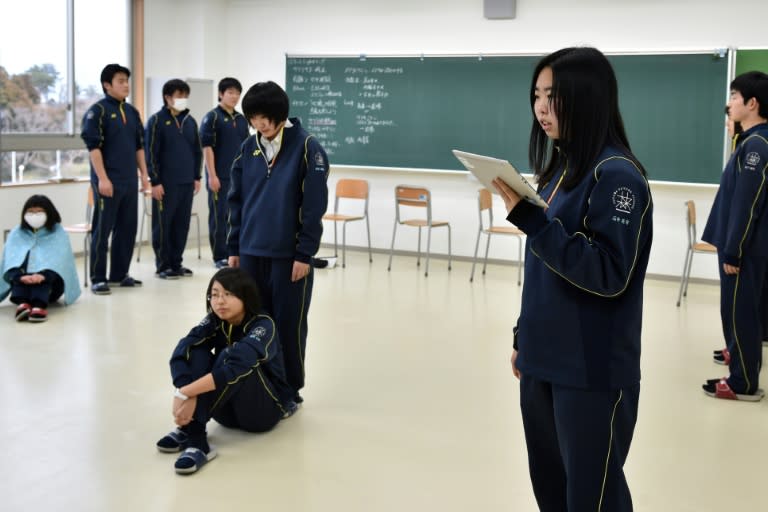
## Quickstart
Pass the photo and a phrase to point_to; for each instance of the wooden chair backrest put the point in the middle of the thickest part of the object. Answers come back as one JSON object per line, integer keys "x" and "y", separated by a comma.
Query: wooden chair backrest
{"x": 352, "y": 189}
{"x": 412, "y": 196}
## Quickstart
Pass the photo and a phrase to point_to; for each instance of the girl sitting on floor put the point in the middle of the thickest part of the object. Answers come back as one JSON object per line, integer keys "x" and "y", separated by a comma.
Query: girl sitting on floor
{"x": 229, "y": 368}
{"x": 38, "y": 265}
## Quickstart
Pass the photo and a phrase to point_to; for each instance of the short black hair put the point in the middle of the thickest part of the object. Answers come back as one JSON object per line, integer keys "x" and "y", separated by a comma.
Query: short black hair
{"x": 109, "y": 72}
{"x": 585, "y": 100}
{"x": 41, "y": 201}
{"x": 171, "y": 86}
{"x": 229, "y": 83}
{"x": 266, "y": 99}
{"x": 241, "y": 285}
{"x": 753, "y": 84}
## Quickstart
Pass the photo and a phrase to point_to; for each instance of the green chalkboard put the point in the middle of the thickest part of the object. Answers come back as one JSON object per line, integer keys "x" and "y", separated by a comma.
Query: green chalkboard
{"x": 409, "y": 112}
{"x": 751, "y": 60}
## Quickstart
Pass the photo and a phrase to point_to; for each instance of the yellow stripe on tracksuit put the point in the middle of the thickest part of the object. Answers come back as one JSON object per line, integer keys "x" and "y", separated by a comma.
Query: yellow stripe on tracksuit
{"x": 610, "y": 446}
{"x": 253, "y": 368}
{"x": 579, "y": 233}
{"x": 736, "y": 284}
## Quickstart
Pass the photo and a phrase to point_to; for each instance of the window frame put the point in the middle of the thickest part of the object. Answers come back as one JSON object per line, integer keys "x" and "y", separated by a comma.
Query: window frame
{"x": 70, "y": 140}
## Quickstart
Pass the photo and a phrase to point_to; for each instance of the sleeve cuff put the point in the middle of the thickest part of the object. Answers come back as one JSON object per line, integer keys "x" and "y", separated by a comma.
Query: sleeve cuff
{"x": 302, "y": 258}
{"x": 219, "y": 379}
{"x": 528, "y": 217}
{"x": 731, "y": 260}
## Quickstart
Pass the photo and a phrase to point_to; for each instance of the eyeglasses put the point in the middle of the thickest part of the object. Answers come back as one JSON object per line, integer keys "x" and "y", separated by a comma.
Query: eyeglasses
{"x": 220, "y": 296}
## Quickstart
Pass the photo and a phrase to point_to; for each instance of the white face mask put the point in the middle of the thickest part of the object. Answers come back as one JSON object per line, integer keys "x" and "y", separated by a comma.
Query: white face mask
{"x": 180, "y": 104}
{"x": 36, "y": 220}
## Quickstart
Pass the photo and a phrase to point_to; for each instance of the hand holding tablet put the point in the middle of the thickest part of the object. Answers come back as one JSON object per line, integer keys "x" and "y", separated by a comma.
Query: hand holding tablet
{"x": 486, "y": 169}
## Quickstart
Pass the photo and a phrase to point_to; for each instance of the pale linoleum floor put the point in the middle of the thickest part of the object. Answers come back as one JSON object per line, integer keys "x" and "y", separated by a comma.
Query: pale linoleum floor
{"x": 410, "y": 403}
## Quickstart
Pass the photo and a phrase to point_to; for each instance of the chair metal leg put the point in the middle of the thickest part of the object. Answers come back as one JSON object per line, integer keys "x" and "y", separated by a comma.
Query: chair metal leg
{"x": 519, "y": 259}
{"x": 85, "y": 260}
{"x": 688, "y": 274}
{"x": 199, "y": 254}
{"x": 474, "y": 259}
{"x": 487, "y": 246}
{"x": 343, "y": 244}
{"x": 418, "y": 250}
{"x": 392, "y": 247}
{"x": 141, "y": 236}
{"x": 449, "y": 246}
{"x": 368, "y": 230}
{"x": 429, "y": 242}
{"x": 682, "y": 276}
{"x": 335, "y": 243}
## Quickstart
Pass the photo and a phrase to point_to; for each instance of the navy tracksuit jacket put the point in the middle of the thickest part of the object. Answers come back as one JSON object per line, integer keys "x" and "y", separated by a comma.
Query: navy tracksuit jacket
{"x": 738, "y": 227}
{"x": 275, "y": 218}
{"x": 223, "y": 133}
{"x": 174, "y": 156}
{"x": 246, "y": 364}
{"x": 578, "y": 334}
{"x": 114, "y": 127}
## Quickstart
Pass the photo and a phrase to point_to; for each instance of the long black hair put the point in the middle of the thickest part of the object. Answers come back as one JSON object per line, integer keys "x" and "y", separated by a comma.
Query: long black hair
{"x": 238, "y": 283}
{"x": 41, "y": 201}
{"x": 585, "y": 100}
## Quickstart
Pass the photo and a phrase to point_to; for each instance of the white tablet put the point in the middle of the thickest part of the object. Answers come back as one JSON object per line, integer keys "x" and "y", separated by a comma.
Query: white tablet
{"x": 486, "y": 169}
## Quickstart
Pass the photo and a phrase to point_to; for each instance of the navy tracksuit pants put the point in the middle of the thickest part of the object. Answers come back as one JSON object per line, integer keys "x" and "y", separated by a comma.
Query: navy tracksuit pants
{"x": 38, "y": 295}
{"x": 742, "y": 302}
{"x": 288, "y": 304}
{"x": 217, "y": 221}
{"x": 116, "y": 216}
{"x": 170, "y": 225}
{"x": 246, "y": 404}
{"x": 577, "y": 442}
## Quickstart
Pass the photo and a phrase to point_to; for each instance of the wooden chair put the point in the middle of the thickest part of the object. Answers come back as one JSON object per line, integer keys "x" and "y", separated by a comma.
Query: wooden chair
{"x": 349, "y": 189}
{"x": 485, "y": 203}
{"x": 418, "y": 197}
{"x": 84, "y": 228}
{"x": 694, "y": 246}
{"x": 147, "y": 214}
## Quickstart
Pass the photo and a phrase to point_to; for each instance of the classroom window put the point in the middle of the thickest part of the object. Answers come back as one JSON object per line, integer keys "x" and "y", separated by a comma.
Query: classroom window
{"x": 49, "y": 76}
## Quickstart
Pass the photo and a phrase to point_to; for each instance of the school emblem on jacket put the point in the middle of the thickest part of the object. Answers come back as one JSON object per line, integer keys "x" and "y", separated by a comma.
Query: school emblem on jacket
{"x": 319, "y": 162}
{"x": 258, "y": 332}
{"x": 752, "y": 160}
{"x": 623, "y": 200}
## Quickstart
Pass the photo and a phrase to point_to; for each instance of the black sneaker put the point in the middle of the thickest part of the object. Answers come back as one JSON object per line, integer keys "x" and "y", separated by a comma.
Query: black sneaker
{"x": 219, "y": 264}
{"x": 100, "y": 288}
{"x": 184, "y": 272}
{"x": 127, "y": 282}
{"x": 168, "y": 274}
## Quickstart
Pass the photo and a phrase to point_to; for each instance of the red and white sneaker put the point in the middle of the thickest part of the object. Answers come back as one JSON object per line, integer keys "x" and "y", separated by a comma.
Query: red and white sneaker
{"x": 22, "y": 312}
{"x": 38, "y": 315}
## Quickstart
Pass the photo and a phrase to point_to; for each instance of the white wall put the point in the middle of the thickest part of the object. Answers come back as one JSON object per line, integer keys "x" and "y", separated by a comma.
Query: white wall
{"x": 249, "y": 39}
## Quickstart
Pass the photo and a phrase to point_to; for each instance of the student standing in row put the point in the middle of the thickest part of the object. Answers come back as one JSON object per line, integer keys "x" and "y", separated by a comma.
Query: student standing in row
{"x": 577, "y": 340}
{"x": 111, "y": 130}
{"x": 222, "y": 131}
{"x": 277, "y": 199}
{"x": 174, "y": 157}
{"x": 736, "y": 226}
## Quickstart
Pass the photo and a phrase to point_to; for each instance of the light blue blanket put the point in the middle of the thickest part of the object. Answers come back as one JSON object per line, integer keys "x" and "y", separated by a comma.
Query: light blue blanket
{"x": 48, "y": 250}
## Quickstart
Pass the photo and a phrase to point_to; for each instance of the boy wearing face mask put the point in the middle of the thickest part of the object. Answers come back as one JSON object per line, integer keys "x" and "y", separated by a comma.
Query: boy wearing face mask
{"x": 38, "y": 266}
{"x": 174, "y": 158}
